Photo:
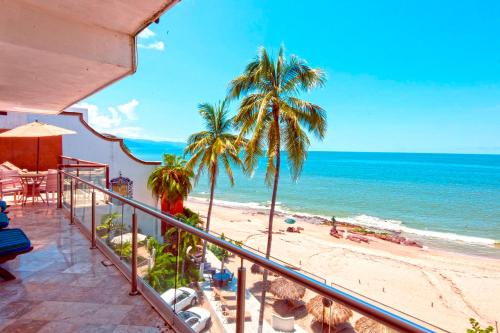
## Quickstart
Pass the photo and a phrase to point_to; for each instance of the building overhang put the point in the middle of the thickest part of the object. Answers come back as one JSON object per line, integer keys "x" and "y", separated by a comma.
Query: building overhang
{"x": 54, "y": 53}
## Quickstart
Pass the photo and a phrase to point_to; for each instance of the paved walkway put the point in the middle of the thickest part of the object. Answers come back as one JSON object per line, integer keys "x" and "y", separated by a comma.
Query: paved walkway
{"x": 62, "y": 286}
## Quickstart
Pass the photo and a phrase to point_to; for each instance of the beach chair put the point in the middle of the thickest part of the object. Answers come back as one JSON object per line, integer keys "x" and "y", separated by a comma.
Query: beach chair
{"x": 13, "y": 242}
{"x": 283, "y": 324}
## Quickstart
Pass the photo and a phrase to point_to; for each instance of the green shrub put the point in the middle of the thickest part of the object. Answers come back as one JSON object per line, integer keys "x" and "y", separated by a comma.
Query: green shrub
{"x": 476, "y": 328}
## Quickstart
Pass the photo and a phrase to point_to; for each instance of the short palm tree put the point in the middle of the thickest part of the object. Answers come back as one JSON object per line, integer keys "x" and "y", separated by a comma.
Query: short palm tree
{"x": 275, "y": 118}
{"x": 171, "y": 183}
{"x": 213, "y": 149}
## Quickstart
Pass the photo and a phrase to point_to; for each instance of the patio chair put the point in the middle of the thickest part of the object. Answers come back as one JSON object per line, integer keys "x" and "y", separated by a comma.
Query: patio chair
{"x": 13, "y": 242}
{"x": 50, "y": 185}
{"x": 10, "y": 184}
{"x": 283, "y": 324}
{"x": 4, "y": 220}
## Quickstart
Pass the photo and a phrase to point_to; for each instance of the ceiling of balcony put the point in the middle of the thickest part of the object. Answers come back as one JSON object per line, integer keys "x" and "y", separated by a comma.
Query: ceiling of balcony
{"x": 57, "y": 52}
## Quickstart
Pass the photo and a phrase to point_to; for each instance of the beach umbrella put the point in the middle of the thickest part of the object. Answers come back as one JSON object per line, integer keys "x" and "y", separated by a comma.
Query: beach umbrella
{"x": 290, "y": 221}
{"x": 328, "y": 312}
{"x": 37, "y": 130}
{"x": 287, "y": 290}
{"x": 256, "y": 269}
{"x": 367, "y": 325}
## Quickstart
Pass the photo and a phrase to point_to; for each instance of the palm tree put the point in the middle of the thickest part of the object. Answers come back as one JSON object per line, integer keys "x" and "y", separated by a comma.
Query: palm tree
{"x": 272, "y": 114}
{"x": 171, "y": 183}
{"x": 212, "y": 149}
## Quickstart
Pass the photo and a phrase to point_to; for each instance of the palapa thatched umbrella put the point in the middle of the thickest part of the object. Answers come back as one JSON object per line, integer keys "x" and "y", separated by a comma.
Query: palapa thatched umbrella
{"x": 328, "y": 312}
{"x": 256, "y": 269}
{"x": 367, "y": 325}
{"x": 287, "y": 290}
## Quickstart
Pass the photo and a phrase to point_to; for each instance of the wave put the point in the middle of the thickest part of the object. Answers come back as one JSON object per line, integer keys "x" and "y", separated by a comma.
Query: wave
{"x": 398, "y": 226}
{"x": 360, "y": 220}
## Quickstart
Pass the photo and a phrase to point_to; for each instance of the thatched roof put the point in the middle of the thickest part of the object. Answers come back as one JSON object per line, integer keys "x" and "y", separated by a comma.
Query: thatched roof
{"x": 367, "y": 325}
{"x": 328, "y": 312}
{"x": 256, "y": 269}
{"x": 286, "y": 289}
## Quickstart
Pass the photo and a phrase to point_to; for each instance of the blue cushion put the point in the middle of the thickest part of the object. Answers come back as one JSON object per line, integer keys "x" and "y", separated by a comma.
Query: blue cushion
{"x": 4, "y": 220}
{"x": 3, "y": 205}
{"x": 13, "y": 241}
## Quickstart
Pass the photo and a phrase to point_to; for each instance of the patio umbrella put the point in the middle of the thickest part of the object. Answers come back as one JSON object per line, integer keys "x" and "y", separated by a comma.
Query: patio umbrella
{"x": 287, "y": 290}
{"x": 328, "y": 312}
{"x": 367, "y": 325}
{"x": 256, "y": 269}
{"x": 37, "y": 130}
{"x": 290, "y": 221}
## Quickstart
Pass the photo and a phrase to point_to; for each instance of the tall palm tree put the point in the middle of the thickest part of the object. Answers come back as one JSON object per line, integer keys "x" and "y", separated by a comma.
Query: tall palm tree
{"x": 213, "y": 149}
{"x": 171, "y": 183}
{"x": 275, "y": 118}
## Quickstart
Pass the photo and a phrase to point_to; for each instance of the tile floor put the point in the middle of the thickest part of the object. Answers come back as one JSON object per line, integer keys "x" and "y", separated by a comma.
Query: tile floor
{"x": 62, "y": 286}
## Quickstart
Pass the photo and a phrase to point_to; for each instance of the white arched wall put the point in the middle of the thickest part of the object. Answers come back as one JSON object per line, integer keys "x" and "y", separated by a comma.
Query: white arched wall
{"x": 89, "y": 145}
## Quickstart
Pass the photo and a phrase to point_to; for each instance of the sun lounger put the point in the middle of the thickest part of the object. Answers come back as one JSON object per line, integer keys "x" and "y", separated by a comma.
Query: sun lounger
{"x": 281, "y": 324}
{"x": 13, "y": 242}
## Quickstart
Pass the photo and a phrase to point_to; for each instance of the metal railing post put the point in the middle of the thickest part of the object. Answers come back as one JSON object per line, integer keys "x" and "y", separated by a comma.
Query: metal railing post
{"x": 72, "y": 202}
{"x": 133, "y": 263}
{"x": 59, "y": 189}
{"x": 240, "y": 299}
{"x": 92, "y": 241}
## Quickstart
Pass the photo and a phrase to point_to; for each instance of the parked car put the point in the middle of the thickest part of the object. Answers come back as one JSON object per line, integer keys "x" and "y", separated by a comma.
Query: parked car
{"x": 181, "y": 297}
{"x": 197, "y": 318}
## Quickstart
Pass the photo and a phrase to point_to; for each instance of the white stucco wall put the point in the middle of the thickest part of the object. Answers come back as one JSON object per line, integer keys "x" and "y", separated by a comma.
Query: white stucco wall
{"x": 87, "y": 145}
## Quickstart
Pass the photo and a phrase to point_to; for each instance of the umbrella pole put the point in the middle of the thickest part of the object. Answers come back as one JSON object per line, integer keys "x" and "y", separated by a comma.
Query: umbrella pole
{"x": 37, "y": 152}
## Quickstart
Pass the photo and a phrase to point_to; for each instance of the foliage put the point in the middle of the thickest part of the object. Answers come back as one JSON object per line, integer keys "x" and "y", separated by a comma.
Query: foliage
{"x": 221, "y": 253}
{"x": 172, "y": 180}
{"x": 361, "y": 230}
{"x": 188, "y": 241}
{"x": 272, "y": 113}
{"x": 162, "y": 275}
{"x": 476, "y": 328}
{"x": 216, "y": 145}
{"x": 124, "y": 250}
{"x": 109, "y": 226}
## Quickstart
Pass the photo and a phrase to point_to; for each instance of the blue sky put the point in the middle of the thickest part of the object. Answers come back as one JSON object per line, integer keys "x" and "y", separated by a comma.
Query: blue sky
{"x": 408, "y": 76}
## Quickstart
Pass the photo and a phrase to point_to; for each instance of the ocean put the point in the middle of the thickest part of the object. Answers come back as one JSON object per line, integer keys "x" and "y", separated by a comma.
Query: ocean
{"x": 448, "y": 201}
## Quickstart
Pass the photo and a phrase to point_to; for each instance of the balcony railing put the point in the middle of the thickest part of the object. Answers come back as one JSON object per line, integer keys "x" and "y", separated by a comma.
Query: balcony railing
{"x": 129, "y": 233}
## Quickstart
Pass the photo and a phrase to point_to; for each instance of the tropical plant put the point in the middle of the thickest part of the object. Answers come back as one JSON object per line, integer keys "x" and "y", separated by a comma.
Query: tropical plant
{"x": 124, "y": 250}
{"x": 171, "y": 182}
{"x": 274, "y": 117}
{"x": 476, "y": 328}
{"x": 108, "y": 225}
{"x": 213, "y": 149}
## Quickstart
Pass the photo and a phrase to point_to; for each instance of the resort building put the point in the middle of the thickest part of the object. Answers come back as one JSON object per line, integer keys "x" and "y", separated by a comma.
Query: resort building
{"x": 82, "y": 245}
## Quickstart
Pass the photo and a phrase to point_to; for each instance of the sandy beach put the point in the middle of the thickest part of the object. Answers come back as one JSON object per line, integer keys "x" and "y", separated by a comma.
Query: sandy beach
{"x": 439, "y": 287}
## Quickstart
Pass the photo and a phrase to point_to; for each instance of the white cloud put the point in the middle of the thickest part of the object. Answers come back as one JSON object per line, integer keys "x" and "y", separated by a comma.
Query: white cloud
{"x": 146, "y": 33}
{"x": 128, "y": 109}
{"x": 158, "y": 46}
{"x": 109, "y": 121}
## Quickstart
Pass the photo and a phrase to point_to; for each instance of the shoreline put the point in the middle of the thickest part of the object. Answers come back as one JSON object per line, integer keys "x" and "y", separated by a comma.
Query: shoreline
{"x": 437, "y": 240}
{"x": 441, "y": 287}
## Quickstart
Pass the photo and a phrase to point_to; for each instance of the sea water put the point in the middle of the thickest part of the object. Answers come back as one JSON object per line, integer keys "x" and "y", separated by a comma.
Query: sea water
{"x": 449, "y": 201}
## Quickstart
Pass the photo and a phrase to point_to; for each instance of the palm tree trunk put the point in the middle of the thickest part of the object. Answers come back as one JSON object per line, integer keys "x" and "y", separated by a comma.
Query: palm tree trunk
{"x": 271, "y": 218}
{"x": 209, "y": 214}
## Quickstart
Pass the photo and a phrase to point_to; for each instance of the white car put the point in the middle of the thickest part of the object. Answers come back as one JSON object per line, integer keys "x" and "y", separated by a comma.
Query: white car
{"x": 181, "y": 297}
{"x": 197, "y": 318}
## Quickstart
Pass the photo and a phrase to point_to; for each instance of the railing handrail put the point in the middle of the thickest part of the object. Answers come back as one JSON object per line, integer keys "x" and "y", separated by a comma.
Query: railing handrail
{"x": 385, "y": 317}
{"x": 83, "y": 161}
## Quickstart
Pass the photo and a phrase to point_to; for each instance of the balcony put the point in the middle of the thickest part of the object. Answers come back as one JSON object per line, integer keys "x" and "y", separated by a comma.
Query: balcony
{"x": 63, "y": 286}
{"x": 136, "y": 279}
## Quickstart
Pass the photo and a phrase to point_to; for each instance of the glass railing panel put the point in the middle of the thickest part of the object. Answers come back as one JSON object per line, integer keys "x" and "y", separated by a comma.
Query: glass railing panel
{"x": 83, "y": 204}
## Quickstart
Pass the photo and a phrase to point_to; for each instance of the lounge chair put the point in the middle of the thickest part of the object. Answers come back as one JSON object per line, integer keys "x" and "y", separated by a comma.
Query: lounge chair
{"x": 281, "y": 324}
{"x": 13, "y": 242}
{"x": 10, "y": 184}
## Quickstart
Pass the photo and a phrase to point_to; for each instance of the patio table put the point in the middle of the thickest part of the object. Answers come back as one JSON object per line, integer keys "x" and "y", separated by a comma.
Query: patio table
{"x": 31, "y": 182}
